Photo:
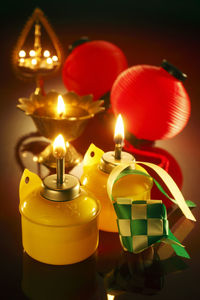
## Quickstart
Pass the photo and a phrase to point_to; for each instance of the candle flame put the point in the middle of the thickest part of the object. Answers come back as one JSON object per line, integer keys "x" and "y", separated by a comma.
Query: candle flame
{"x": 119, "y": 130}
{"x": 60, "y": 106}
{"x": 59, "y": 147}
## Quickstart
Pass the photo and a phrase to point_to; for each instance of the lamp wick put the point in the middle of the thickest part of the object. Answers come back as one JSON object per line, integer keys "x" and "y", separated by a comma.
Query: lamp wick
{"x": 118, "y": 150}
{"x": 118, "y": 146}
{"x": 60, "y": 166}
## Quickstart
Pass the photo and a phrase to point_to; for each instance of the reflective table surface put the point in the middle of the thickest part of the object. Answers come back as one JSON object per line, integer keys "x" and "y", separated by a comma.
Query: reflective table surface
{"x": 110, "y": 273}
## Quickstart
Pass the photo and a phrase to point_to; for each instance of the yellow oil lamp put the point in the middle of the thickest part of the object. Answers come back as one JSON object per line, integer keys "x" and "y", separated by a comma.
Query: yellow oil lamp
{"x": 59, "y": 219}
{"x": 96, "y": 169}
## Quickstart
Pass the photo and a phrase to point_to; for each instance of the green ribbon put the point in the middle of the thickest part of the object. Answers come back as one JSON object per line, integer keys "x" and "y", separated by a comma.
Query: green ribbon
{"x": 138, "y": 172}
{"x": 142, "y": 223}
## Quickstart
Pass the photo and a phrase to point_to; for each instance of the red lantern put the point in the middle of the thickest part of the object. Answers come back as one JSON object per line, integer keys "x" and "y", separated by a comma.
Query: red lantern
{"x": 152, "y": 100}
{"x": 92, "y": 67}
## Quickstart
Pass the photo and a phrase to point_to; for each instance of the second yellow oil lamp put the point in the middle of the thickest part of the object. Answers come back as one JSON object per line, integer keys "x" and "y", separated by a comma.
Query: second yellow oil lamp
{"x": 96, "y": 169}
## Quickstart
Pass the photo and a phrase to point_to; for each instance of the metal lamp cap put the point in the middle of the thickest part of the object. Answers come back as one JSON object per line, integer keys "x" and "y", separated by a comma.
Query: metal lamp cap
{"x": 69, "y": 190}
{"x": 108, "y": 161}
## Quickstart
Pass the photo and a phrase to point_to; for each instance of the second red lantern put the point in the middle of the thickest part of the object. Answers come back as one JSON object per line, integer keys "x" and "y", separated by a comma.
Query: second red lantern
{"x": 92, "y": 67}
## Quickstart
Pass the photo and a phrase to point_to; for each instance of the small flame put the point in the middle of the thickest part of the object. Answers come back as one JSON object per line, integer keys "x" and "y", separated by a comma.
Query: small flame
{"x": 34, "y": 61}
{"x": 110, "y": 297}
{"x": 35, "y": 158}
{"x": 119, "y": 130}
{"x": 49, "y": 61}
{"x": 60, "y": 106}
{"x": 55, "y": 58}
{"x": 22, "y": 53}
{"x": 59, "y": 147}
{"x": 32, "y": 53}
{"x": 46, "y": 53}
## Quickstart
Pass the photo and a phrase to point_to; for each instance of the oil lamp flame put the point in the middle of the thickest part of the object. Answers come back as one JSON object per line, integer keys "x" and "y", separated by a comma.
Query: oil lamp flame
{"x": 60, "y": 106}
{"x": 119, "y": 137}
{"x": 59, "y": 147}
{"x": 119, "y": 131}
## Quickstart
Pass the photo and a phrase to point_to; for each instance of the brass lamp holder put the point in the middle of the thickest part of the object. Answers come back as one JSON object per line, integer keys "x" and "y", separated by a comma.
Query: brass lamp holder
{"x": 42, "y": 110}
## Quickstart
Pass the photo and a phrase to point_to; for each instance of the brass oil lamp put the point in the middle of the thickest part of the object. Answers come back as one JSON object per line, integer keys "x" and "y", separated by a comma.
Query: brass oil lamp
{"x": 55, "y": 113}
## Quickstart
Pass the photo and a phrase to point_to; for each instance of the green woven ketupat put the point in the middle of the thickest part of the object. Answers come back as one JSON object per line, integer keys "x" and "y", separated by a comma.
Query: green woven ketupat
{"x": 141, "y": 223}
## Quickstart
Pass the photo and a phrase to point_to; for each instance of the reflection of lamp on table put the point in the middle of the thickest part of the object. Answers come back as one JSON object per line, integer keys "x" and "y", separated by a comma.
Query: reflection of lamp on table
{"x": 42, "y": 281}
{"x": 53, "y": 114}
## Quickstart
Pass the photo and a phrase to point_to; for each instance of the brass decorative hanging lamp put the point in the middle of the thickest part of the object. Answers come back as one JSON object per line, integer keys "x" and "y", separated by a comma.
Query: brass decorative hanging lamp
{"x": 36, "y": 63}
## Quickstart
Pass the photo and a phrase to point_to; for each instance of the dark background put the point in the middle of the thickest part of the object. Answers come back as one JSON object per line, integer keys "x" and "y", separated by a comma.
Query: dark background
{"x": 147, "y": 32}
